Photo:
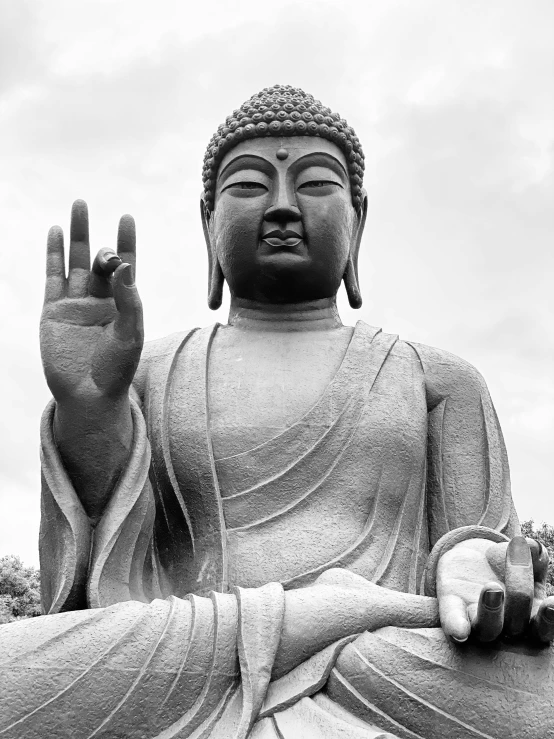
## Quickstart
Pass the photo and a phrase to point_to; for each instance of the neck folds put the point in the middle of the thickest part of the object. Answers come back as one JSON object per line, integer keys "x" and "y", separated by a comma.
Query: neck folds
{"x": 316, "y": 315}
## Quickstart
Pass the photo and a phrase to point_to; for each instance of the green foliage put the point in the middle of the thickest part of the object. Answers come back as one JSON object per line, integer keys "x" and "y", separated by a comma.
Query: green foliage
{"x": 19, "y": 590}
{"x": 545, "y": 534}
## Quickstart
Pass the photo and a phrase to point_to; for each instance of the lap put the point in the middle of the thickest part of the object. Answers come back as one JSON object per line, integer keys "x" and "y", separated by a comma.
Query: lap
{"x": 417, "y": 683}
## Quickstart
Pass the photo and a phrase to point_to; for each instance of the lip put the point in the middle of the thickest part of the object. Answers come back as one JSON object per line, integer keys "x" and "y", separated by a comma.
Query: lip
{"x": 282, "y": 242}
{"x": 287, "y": 238}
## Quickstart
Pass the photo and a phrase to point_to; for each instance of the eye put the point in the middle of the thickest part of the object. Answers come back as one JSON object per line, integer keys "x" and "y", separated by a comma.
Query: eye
{"x": 246, "y": 187}
{"x": 318, "y": 184}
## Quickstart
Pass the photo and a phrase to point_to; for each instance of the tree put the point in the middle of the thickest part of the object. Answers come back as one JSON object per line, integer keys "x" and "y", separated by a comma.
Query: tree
{"x": 19, "y": 590}
{"x": 545, "y": 534}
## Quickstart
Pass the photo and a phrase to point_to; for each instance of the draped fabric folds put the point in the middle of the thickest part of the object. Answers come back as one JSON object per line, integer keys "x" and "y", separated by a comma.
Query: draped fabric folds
{"x": 84, "y": 567}
{"x": 166, "y": 670}
{"x": 402, "y": 448}
{"x": 416, "y": 684}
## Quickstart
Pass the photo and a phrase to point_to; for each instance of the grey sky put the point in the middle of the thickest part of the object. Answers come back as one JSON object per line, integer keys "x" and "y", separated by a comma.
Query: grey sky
{"x": 115, "y": 102}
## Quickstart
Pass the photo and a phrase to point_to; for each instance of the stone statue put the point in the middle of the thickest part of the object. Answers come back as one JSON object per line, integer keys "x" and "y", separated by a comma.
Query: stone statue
{"x": 280, "y": 527}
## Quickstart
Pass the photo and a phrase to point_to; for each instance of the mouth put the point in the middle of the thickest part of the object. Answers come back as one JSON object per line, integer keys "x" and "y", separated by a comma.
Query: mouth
{"x": 278, "y": 238}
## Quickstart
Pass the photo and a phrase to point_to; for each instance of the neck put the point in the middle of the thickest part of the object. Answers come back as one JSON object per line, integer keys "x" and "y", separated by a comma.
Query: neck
{"x": 315, "y": 315}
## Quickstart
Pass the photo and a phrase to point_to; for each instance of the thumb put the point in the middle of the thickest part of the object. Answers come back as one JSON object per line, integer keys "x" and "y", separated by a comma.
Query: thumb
{"x": 454, "y": 618}
{"x": 128, "y": 323}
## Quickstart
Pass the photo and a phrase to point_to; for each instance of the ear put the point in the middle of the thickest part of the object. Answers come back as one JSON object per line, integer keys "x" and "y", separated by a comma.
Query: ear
{"x": 350, "y": 277}
{"x": 215, "y": 273}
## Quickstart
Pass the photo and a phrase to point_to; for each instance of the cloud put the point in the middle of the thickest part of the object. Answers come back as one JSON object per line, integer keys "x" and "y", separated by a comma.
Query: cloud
{"x": 116, "y": 103}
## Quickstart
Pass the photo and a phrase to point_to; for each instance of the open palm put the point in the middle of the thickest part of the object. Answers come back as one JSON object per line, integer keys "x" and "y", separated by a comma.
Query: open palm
{"x": 91, "y": 326}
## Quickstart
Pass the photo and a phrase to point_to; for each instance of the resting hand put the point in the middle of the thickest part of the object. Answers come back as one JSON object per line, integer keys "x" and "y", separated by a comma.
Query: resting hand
{"x": 490, "y": 590}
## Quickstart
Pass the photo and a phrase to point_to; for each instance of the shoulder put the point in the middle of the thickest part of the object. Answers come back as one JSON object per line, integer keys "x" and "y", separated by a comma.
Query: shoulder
{"x": 447, "y": 375}
{"x": 444, "y": 368}
{"x": 155, "y": 355}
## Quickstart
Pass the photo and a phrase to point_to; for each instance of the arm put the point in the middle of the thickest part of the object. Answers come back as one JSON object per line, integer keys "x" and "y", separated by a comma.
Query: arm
{"x": 91, "y": 340}
{"x": 341, "y": 604}
{"x": 94, "y": 437}
{"x": 485, "y": 585}
{"x": 468, "y": 480}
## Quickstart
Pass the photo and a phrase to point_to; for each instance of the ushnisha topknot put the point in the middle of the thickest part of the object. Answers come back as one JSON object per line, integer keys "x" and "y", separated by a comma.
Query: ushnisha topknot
{"x": 280, "y": 111}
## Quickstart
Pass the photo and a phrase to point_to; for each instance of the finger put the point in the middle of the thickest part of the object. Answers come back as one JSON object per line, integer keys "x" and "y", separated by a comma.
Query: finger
{"x": 496, "y": 557}
{"x": 104, "y": 265}
{"x": 79, "y": 251}
{"x": 541, "y": 560}
{"x": 106, "y": 262}
{"x": 127, "y": 241}
{"x": 542, "y": 625}
{"x": 128, "y": 322}
{"x": 519, "y": 583}
{"x": 453, "y": 616}
{"x": 55, "y": 266}
{"x": 488, "y": 619}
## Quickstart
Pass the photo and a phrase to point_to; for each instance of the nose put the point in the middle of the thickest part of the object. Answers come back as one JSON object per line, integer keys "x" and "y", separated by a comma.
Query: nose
{"x": 282, "y": 208}
{"x": 282, "y": 213}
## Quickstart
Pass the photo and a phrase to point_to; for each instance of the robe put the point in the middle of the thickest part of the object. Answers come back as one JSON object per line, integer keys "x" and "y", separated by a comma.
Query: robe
{"x": 171, "y": 669}
{"x": 402, "y": 451}
{"x": 200, "y": 668}
{"x": 402, "y": 447}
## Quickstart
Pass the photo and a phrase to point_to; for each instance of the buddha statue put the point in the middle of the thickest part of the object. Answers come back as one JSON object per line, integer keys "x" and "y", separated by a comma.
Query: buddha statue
{"x": 281, "y": 527}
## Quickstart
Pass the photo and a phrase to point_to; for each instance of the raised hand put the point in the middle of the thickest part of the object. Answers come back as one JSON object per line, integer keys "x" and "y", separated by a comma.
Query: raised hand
{"x": 488, "y": 590}
{"x": 91, "y": 329}
{"x": 91, "y": 338}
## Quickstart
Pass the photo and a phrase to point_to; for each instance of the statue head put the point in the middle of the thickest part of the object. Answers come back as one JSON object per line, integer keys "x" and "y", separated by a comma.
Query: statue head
{"x": 283, "y": 207}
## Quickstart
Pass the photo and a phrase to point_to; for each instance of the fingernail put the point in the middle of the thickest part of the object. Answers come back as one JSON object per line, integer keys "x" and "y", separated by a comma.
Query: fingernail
{"x": 548, "y": 614}
{"x": 519, "y": 552}
{"x": 493, "y": 599}
{"x": 111, "y": 264}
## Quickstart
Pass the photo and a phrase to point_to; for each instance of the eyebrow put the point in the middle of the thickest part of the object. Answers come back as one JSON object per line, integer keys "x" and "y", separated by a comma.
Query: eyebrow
{"x": 238, "y": 163}
{"x": 320, "y": 157}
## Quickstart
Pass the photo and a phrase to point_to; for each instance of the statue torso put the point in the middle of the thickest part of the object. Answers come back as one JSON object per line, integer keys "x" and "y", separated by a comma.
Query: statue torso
{"x": 260, "y": 383}
{"x": 315, "y": 445}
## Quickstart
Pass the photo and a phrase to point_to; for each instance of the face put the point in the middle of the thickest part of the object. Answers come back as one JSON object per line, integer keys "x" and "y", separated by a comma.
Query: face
{"x": 283, "y": 227}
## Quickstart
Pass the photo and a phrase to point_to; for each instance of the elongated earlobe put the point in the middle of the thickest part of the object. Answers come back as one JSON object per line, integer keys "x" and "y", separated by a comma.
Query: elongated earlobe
{"x": 351, "y": 284}
{"x": 215, "y": 285}
{"x": 350, "y": 277}
{"x": 216, "y": 279}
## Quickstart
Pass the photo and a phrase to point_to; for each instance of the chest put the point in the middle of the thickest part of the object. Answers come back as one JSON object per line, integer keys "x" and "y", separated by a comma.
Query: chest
{"x": 261, "y": 383}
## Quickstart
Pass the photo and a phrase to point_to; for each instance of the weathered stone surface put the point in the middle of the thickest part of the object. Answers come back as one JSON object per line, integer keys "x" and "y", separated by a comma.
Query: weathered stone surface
{"x": 280, "y": 527}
